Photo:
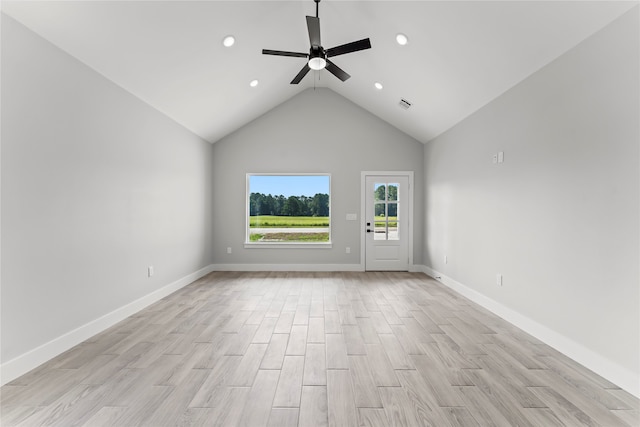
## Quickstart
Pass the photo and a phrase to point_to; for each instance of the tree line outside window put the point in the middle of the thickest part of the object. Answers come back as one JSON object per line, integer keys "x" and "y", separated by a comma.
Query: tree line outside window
{"x": 267, "y": 204}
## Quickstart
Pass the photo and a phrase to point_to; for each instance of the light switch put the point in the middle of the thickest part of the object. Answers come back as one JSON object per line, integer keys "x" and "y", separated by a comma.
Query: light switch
{"x": 500, "y": 156}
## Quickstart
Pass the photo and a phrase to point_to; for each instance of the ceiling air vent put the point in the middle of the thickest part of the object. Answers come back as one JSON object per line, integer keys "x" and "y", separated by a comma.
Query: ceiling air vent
{"x": 404, "y": 104}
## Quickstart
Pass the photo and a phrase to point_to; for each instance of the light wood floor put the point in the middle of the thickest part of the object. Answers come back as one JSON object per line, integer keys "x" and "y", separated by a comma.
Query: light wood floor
{"x": 314, "y": 349}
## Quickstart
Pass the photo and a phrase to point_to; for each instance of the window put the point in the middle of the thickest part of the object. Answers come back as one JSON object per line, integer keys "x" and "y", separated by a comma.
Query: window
{"x": 386, "y": 211}
{"x": 288, "y": 209}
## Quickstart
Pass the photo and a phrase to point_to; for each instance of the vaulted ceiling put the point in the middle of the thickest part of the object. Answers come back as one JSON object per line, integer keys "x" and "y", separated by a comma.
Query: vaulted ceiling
{"x": 460, "y": 55}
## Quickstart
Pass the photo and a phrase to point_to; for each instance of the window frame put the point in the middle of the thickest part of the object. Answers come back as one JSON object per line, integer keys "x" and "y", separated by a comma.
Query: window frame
{"x": 283, "y": 245}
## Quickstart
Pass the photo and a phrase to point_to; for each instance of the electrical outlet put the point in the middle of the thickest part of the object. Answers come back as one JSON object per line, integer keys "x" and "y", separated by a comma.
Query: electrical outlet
{"x": 446, "y": 259}
{"x": 229, "y": 249}
{"x": 499, "y": 279}
{"x": 500, "y": 156}
{"x": 495, "y": 159}
{"x": 348, "y": 250}
{"x": 150, "y": 271}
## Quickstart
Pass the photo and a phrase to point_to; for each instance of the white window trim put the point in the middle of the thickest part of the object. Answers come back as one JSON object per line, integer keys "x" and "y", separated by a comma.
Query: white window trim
{"x": 284, "y": 245}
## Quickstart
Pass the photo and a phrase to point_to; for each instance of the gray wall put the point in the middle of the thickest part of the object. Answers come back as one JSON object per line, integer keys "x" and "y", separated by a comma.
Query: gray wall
{"x": 559, "y": 218}
{"x": 96, "y": 186}
{"x": 315, "y": 131}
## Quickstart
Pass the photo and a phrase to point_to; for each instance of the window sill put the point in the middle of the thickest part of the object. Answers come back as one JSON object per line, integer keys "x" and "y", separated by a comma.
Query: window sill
{"x": 283, "y": 245}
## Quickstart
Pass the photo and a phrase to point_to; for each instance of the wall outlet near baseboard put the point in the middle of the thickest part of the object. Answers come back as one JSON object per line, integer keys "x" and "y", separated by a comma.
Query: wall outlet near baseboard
{"x": 499, "y": 279}
{"x": 150, "y": 271}
{"x": 229, "y": 249}
{"x": 446, "y": 259}
{"x": 347, "y": 250}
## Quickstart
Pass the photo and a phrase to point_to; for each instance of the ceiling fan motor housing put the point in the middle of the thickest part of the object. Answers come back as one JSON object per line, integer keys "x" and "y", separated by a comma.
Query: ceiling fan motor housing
{"x": 317, "y": 52}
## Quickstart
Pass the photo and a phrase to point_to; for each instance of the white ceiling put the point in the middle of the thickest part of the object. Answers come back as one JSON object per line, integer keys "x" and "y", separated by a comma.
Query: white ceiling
{"x": 460, "y": 55}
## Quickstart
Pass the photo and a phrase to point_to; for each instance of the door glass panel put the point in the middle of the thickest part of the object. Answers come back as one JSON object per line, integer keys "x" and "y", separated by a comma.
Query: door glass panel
{"x": 381, "y": 232}
{"x": 380, "y": 222}
{"x": 393, "y": 222}
{"x": 393, "y": 231}
{"x": 379, "y": 191}
{"x": 393, "y": 191}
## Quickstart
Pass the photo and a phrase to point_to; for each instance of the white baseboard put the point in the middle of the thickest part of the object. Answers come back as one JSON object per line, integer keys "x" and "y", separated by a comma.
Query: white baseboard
{"x": 622, "y": 377}
{"x": 24, "y": 363}
{"x": 301, "y": 267}
{"x": 288, "y": 267}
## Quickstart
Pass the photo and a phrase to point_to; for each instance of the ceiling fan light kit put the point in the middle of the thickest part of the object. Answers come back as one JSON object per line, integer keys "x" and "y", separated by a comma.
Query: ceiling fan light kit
{"x": 318, "y": 57}
{"x": 317, "y": 63}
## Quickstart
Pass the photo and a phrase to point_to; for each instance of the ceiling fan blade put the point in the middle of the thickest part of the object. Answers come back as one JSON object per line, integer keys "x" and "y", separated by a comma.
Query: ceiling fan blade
{"x": 337, "y": 71}
{"x": 313, "y": 25}
{"x": 301, "y": 74}
{"x": 284, "y": 53}
{"x": 349, "y": 47}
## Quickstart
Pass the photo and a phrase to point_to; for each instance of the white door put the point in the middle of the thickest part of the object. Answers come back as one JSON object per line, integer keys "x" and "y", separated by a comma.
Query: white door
{"x": 387, "y": 210}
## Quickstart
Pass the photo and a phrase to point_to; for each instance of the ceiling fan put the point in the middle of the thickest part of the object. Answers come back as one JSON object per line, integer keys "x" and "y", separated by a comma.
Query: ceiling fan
{"x": 318, "y": 57}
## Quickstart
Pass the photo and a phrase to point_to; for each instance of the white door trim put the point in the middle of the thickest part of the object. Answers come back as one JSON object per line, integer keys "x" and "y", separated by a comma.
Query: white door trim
{"x": 363, "y": 207}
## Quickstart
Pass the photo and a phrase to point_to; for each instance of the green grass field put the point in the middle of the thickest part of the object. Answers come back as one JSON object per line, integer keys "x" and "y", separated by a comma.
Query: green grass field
{"x": 266, "y": 221}
{"x": 393, "y": 221}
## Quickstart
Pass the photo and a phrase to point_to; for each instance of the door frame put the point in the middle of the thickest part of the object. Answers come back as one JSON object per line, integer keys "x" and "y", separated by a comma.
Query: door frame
{"x": 363, "y": 207}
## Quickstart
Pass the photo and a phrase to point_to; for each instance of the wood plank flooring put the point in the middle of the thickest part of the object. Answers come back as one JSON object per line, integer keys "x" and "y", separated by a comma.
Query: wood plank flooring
{"x": 314, "y": 349}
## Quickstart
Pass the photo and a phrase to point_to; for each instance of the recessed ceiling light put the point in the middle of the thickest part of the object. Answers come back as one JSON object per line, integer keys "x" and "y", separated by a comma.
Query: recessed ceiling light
{"x": 401, "y": 39}
{"x": 378, "y": 85}
{"x": 228, "y": 41}
{"x": 254, "y": 83}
